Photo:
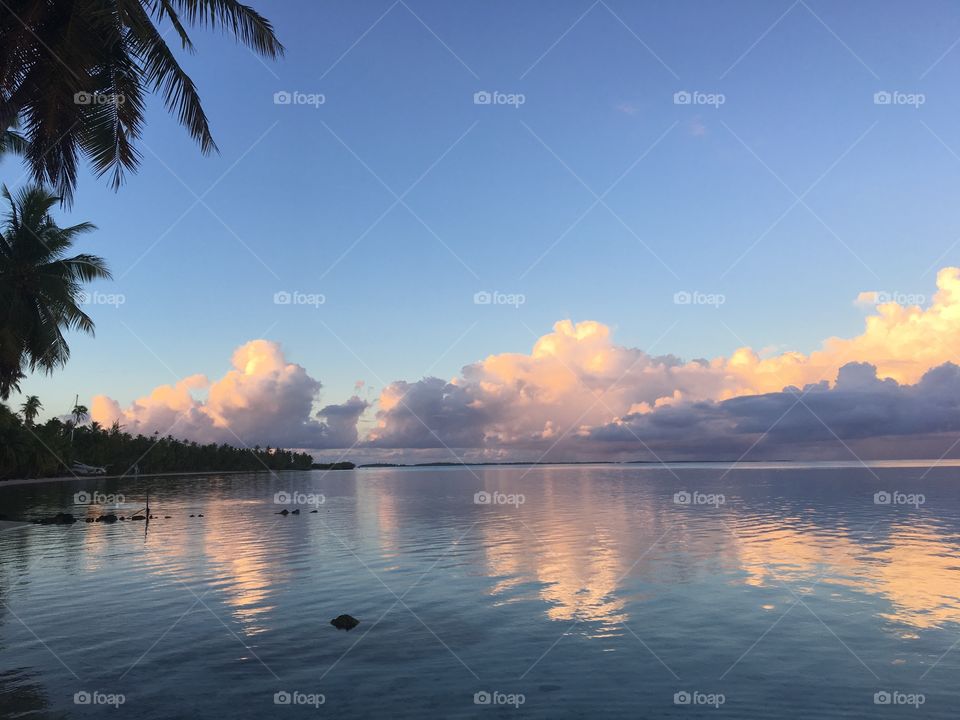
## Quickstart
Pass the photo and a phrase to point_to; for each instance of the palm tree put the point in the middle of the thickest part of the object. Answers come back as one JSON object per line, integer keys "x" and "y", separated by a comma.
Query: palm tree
{"x": 12, "y": 142}
{"x": 76, "y": 73}
{"x": 79, "y": 413}
{"x": 40, "y": 289}
{"x": 30, "y": 409}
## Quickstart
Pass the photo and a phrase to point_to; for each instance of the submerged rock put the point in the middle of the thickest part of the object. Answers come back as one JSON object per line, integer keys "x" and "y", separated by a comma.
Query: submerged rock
{"x": 58, "y": 519}
{"x": 138, "y": 517}
{"x": 344, "y": 622}
{"x": 283, "y": 512}
{"x": 295, "y": 512}
{"x": 166, "y": 517}
{"x": 313, "y": 511}
{"x": 110, "y": 518}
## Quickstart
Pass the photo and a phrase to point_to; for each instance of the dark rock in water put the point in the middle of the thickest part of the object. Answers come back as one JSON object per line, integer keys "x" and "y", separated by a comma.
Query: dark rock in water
{"x": 166, "y": 517}
{"x": 344, "y": 622}
{"x": 200, "y": 515}
{"x": 121, "y": 518}
{"x": 138, "y": 517}
{"x": 111, "y": 518}
{"x": 90, "y": 520}
{"x": 283, "y": 512}
{"x": 313, "y": 511}
{"x": 295, "y": 512}
{"x": 58, "y": 519}
{"x": 193, "y": 516}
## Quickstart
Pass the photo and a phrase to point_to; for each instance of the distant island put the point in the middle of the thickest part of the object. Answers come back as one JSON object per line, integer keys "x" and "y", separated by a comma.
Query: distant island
{"x": 451, "y": 463}
{"x": 333, "y": 466}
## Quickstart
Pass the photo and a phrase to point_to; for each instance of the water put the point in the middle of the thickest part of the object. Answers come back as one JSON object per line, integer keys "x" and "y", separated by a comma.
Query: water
{"x": 599, "y": 595}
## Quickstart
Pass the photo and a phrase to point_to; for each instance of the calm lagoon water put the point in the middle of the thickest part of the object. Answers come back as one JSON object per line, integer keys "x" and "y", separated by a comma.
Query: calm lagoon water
{"x": 777, "y": 591}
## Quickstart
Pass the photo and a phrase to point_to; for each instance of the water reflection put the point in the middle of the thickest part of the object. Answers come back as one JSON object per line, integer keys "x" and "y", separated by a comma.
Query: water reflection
{"x": 599, "y": 547}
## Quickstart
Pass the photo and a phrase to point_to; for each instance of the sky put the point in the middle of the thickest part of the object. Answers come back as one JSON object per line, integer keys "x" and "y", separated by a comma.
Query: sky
{"x": 680, "y": 180}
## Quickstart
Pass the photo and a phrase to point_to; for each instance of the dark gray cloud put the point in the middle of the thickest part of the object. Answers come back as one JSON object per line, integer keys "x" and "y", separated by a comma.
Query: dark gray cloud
{"x": 860, "y": 415}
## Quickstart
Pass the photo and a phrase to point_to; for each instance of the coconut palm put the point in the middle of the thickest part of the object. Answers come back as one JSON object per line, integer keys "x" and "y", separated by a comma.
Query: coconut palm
{"x": 30, "y": 409}
{"x": 40, "y": 288}
{"x": 12, "y": 142}
{"x": 76, "y": 73}
{"x": 79, "y": 413}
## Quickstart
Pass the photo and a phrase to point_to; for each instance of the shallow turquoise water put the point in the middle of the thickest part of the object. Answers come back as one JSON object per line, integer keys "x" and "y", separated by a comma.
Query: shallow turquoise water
{"x": 788, "y": 592}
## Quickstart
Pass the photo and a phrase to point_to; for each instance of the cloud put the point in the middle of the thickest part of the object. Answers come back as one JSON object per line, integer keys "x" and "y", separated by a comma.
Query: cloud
{"x": 580, "y": 393}
{"x": 892, "y": 390}
{"x": 859, "y": 406}
{"x": 263, "y": 400}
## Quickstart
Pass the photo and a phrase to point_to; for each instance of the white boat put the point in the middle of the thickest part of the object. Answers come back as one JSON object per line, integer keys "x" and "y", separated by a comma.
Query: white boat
{"x": 80, "y": 468}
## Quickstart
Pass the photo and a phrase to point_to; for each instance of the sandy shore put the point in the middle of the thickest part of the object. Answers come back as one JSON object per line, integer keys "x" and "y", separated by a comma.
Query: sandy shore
{"x": 66, "y": 478}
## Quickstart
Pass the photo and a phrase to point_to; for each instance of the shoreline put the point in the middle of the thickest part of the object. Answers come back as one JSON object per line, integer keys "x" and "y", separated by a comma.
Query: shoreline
{"x": 65, "y": 478}
{"x": 903, "y": 463}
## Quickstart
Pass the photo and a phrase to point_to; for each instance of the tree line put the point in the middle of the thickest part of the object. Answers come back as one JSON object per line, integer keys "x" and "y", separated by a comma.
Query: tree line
{"x": 30, "y": 450}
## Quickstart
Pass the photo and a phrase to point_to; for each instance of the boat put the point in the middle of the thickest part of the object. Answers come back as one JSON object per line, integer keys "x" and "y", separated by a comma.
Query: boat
{"x": 80, "y": 468}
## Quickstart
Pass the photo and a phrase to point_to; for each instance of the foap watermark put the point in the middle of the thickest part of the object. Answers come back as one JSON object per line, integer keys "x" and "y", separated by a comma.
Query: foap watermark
{"x": 699, "y": 498}
{"x": 95, "y": 697}
{"x": 495, "y": 297}
{"x": 895, "y": 497}
{"x": 695, "y": 297}
{"x": 102, "y": 298}
{"x": 295, "y": 697}
{"x": 896, "y": 97}
{"x": 495, "y": 97}
{"x": 98, "y": 98}
{"x": 882, "y": 297}
{"x": 495, "y": 697}
{"x": 697, "y": 97}
{"x": 85, "y": 497}
{"x": 696, "y": 697}
{"x": 294, "y": 497}
{"x": 896, "y": 697}
{"x": 295, "y": 97}
{"x": 498, "y": 498}
{"x": 285, "y": 297}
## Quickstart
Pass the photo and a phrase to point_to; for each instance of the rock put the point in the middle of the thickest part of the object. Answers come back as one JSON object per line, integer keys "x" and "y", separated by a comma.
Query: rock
{"x": 193, "y": 516}
{"x": 110, "y": 518}
{"x": 313, "y": 511}
{"x": 138, "y": 517}
{"x": 90, "y": 520}
{"x": 283, "y": 512}
{"x": 295, "y": 512}
{"x": 200, "y": 515}
{"x": 166, "y": 517}
{"x": 58, "y": 519}
{"x": 344, "y": 622}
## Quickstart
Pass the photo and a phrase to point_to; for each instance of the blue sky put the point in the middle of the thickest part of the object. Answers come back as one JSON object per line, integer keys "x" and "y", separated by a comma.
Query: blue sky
{"x": 289, "y": 203}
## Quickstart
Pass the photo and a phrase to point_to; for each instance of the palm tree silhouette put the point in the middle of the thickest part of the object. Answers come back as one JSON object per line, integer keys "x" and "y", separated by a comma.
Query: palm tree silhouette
{"x": 30, "y": 409}
{"x": 76, "y": 73}
{"x": 79, "y": 413}
{"x": 40, "y": 289}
